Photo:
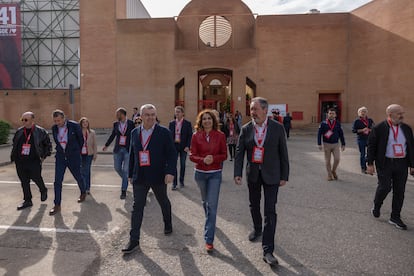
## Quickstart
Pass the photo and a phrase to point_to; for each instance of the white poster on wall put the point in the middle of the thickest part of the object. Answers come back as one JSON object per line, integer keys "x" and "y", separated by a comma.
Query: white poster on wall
{"x": 282, "y": 108}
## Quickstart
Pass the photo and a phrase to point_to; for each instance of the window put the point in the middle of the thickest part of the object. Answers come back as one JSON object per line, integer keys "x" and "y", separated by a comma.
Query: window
{"x": 215, "y": 31}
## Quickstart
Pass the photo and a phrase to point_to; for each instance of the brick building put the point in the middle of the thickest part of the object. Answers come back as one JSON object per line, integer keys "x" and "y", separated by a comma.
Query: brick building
{"x": 219, "y": 54}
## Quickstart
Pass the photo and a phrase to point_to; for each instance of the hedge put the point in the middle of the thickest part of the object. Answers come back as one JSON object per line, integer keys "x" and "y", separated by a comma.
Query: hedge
{"x": 4, "y": 132}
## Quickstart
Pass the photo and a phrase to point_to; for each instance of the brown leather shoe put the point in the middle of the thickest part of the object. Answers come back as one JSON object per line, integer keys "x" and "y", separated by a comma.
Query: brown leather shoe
{"x": 335, "y": 176}
{"x": 54, "y": 210}
{"x": 82, "y": 198}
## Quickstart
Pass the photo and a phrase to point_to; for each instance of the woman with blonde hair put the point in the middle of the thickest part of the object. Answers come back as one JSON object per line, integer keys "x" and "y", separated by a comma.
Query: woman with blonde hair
{"x": 89, "y": 152}
{"x": 208, "y": 152}
{"x": 362, "y": 127}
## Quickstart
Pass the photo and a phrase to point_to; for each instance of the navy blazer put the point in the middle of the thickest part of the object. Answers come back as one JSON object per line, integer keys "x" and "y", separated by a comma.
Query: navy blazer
{"x": 185, "y": 135}
{"x": 163, "y": 157}
{"x": 116, "y": 133}
{"x": 75, "y": 139}
{"x": 275, "y": 165}
{"x": 338, "y": 133}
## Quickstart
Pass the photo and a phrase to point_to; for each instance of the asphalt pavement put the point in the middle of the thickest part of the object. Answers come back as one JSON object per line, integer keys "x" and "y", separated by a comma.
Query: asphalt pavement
{"x": 324, "y": 228}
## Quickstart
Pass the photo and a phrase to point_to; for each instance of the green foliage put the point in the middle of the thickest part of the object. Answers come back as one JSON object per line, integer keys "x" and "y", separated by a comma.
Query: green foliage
{"x": 4, "y": 132}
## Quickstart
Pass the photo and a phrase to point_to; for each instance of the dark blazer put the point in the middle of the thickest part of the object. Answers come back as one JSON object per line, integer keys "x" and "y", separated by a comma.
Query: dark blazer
{"x": 275, "y": 165}
{"x": 75, "y": 139}
{"x": 163, "y": 157}
{"x": 358, "y": 124}
{"x": 338, "y": 133}
{"x": 186, "y": 133}
{"x": 116, "y": 133}
{"x": 378, "y": 140}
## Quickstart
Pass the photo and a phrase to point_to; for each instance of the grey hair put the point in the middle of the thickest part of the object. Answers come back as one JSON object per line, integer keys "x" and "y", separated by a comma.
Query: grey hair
{"x": 147, "y": 106}
{"x": 58, "y": 113}
{"x": 262, "y": 101}
{"x": 361, "y": 109}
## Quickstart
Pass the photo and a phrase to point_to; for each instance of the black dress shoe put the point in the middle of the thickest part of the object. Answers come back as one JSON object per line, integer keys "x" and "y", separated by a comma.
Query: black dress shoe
{"x": 270, "y": 259}
{"x": 397, "y": 222}
{"x": 24, "y": 205}
{"x": 131, "y": 247}
{"x": 168, "y": 230}
{"x": 123, "y": 195}
{"x": 43, "y": 196}
{"x": 254, "y": 235}
{"x": 375, "y": 212}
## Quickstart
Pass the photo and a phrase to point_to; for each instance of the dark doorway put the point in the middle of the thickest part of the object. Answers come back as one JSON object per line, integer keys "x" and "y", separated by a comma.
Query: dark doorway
{"x": 179, "y": 93}
{"x": 327, "y": 101}
{"x": 215, "y": 89}
{"x": 250, "y": 94}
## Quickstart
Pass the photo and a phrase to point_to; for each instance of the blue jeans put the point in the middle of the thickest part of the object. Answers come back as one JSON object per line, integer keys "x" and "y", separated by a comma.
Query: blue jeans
{"x": 362, "y": 145}
{"x": 209, "y": 184}
{"x": 121, "y": 165}
{"x": 183, "y": 157}
{"x": 86, "y": 170}
{"x": 73, "y": 162}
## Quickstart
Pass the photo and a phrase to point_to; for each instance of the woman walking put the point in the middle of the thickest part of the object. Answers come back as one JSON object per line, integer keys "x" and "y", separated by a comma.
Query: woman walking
{"x": 208, "y": 151}
{"x": 231, "y": 130}
{"x": 89, "y": 152}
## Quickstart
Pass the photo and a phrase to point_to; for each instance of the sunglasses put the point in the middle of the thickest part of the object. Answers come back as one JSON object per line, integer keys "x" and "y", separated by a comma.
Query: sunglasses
{"x": 24, "y": 120}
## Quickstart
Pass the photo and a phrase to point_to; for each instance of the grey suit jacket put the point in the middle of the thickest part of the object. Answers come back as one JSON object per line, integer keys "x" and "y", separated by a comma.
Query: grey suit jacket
{"x": 275, "y": 166}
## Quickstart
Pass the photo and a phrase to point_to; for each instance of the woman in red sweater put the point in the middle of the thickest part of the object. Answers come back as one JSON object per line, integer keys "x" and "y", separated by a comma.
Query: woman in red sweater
{"x": 208, "y": 151}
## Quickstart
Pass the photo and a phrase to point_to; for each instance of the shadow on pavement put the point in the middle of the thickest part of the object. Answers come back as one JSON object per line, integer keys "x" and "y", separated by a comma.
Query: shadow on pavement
{"x": 16, "y": 239}
{"x": 93, "y": 216}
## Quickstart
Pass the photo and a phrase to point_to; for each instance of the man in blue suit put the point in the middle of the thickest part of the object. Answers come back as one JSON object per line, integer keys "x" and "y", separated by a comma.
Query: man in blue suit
{"x": 152, "y": 164}
{"x": 181, "y": 132}
{"x": 69, "y": 141}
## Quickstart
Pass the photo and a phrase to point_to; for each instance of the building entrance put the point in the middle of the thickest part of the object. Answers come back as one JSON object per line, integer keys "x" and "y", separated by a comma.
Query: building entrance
{"x": 215, "y": 89}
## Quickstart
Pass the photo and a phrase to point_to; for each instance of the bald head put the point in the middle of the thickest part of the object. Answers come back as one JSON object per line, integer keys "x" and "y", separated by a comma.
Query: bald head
{"x": 395, "y": 113}
{"x": 27, "y": 119}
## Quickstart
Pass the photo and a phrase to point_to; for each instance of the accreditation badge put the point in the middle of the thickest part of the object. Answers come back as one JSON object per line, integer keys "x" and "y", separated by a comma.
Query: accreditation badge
{"x": 25, "y": 149}
{"x": 144, "y": 158}
{"x": 84, "y": 150}
{"x": 398, "y": 150}
{"x": 258, "y": 154}
{"x": 328, "y": 134}
{"x": 177, "y": 138}
{"x": 122, "y": 140}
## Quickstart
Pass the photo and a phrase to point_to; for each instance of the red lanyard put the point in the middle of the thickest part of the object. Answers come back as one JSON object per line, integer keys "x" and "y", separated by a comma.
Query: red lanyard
{"x": 61, "y": 137}
{"x": 331, "y": 126}
{"x": 260, "y": 136}
{"x": 178, "y": 125}
{"x": 395, "y": 132}
{"x": 85, "y": 138}
{"x": 123, "y": 130}
{"x": 144, "y": 145}
{"x": 364, "y": 121}
{"x": 30, "y": 134}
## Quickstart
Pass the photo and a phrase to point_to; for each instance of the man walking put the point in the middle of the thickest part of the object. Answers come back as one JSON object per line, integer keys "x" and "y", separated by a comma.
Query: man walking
{"x": 152, "y": 164}
{"x": 69, "y": 141}
{"x": 121, "y": 130}
{"x": 330, "y": 132}
{"x": 362, "y": 127}
{"x": 181, "y": 132}
{"x": 264, "y": 140}
{"x": 31, "y": 145}
{"x": 390, "y": 147}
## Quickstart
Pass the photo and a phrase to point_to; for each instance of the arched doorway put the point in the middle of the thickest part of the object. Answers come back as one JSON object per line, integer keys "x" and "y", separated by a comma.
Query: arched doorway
{"x": 215, "y": 89}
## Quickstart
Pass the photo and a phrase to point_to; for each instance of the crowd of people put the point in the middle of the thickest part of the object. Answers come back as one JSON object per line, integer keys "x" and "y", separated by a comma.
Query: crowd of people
{"x": 145, "y": 155}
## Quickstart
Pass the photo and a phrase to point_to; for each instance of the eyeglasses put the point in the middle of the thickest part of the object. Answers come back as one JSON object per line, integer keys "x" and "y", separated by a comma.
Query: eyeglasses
{"x": 24, "y": 119}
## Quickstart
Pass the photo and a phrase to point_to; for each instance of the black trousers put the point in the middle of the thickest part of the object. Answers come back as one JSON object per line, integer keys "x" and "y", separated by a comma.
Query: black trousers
{"x": 140, "y": 198}
{"x": 30, "y": 170}
{"x": 270, "y": 216}
{"x": 232, "y": 150}
{"x": 392, "y": 177}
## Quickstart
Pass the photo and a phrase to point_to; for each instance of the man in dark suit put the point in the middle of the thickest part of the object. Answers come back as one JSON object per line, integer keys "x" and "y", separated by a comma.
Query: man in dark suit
{"x": 69, "y": 141}
{"x": 264, "y": 140}
{"x": 152, "y": 164}
{"x": 390, "y": 146}
{"x": 181, "y": 133}
{"x": 121, "y": 130}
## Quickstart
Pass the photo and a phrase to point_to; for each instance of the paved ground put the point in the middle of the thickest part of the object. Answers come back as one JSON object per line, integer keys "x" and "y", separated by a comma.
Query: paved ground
{"x": 324, "y": 228}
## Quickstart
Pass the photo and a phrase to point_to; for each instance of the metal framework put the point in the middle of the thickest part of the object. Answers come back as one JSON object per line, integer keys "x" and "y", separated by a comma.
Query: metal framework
{"x": 50, "y": 43}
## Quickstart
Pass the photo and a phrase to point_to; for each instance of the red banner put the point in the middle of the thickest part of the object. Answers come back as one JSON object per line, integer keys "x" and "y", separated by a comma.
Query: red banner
{"x": 10, "y": 47}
